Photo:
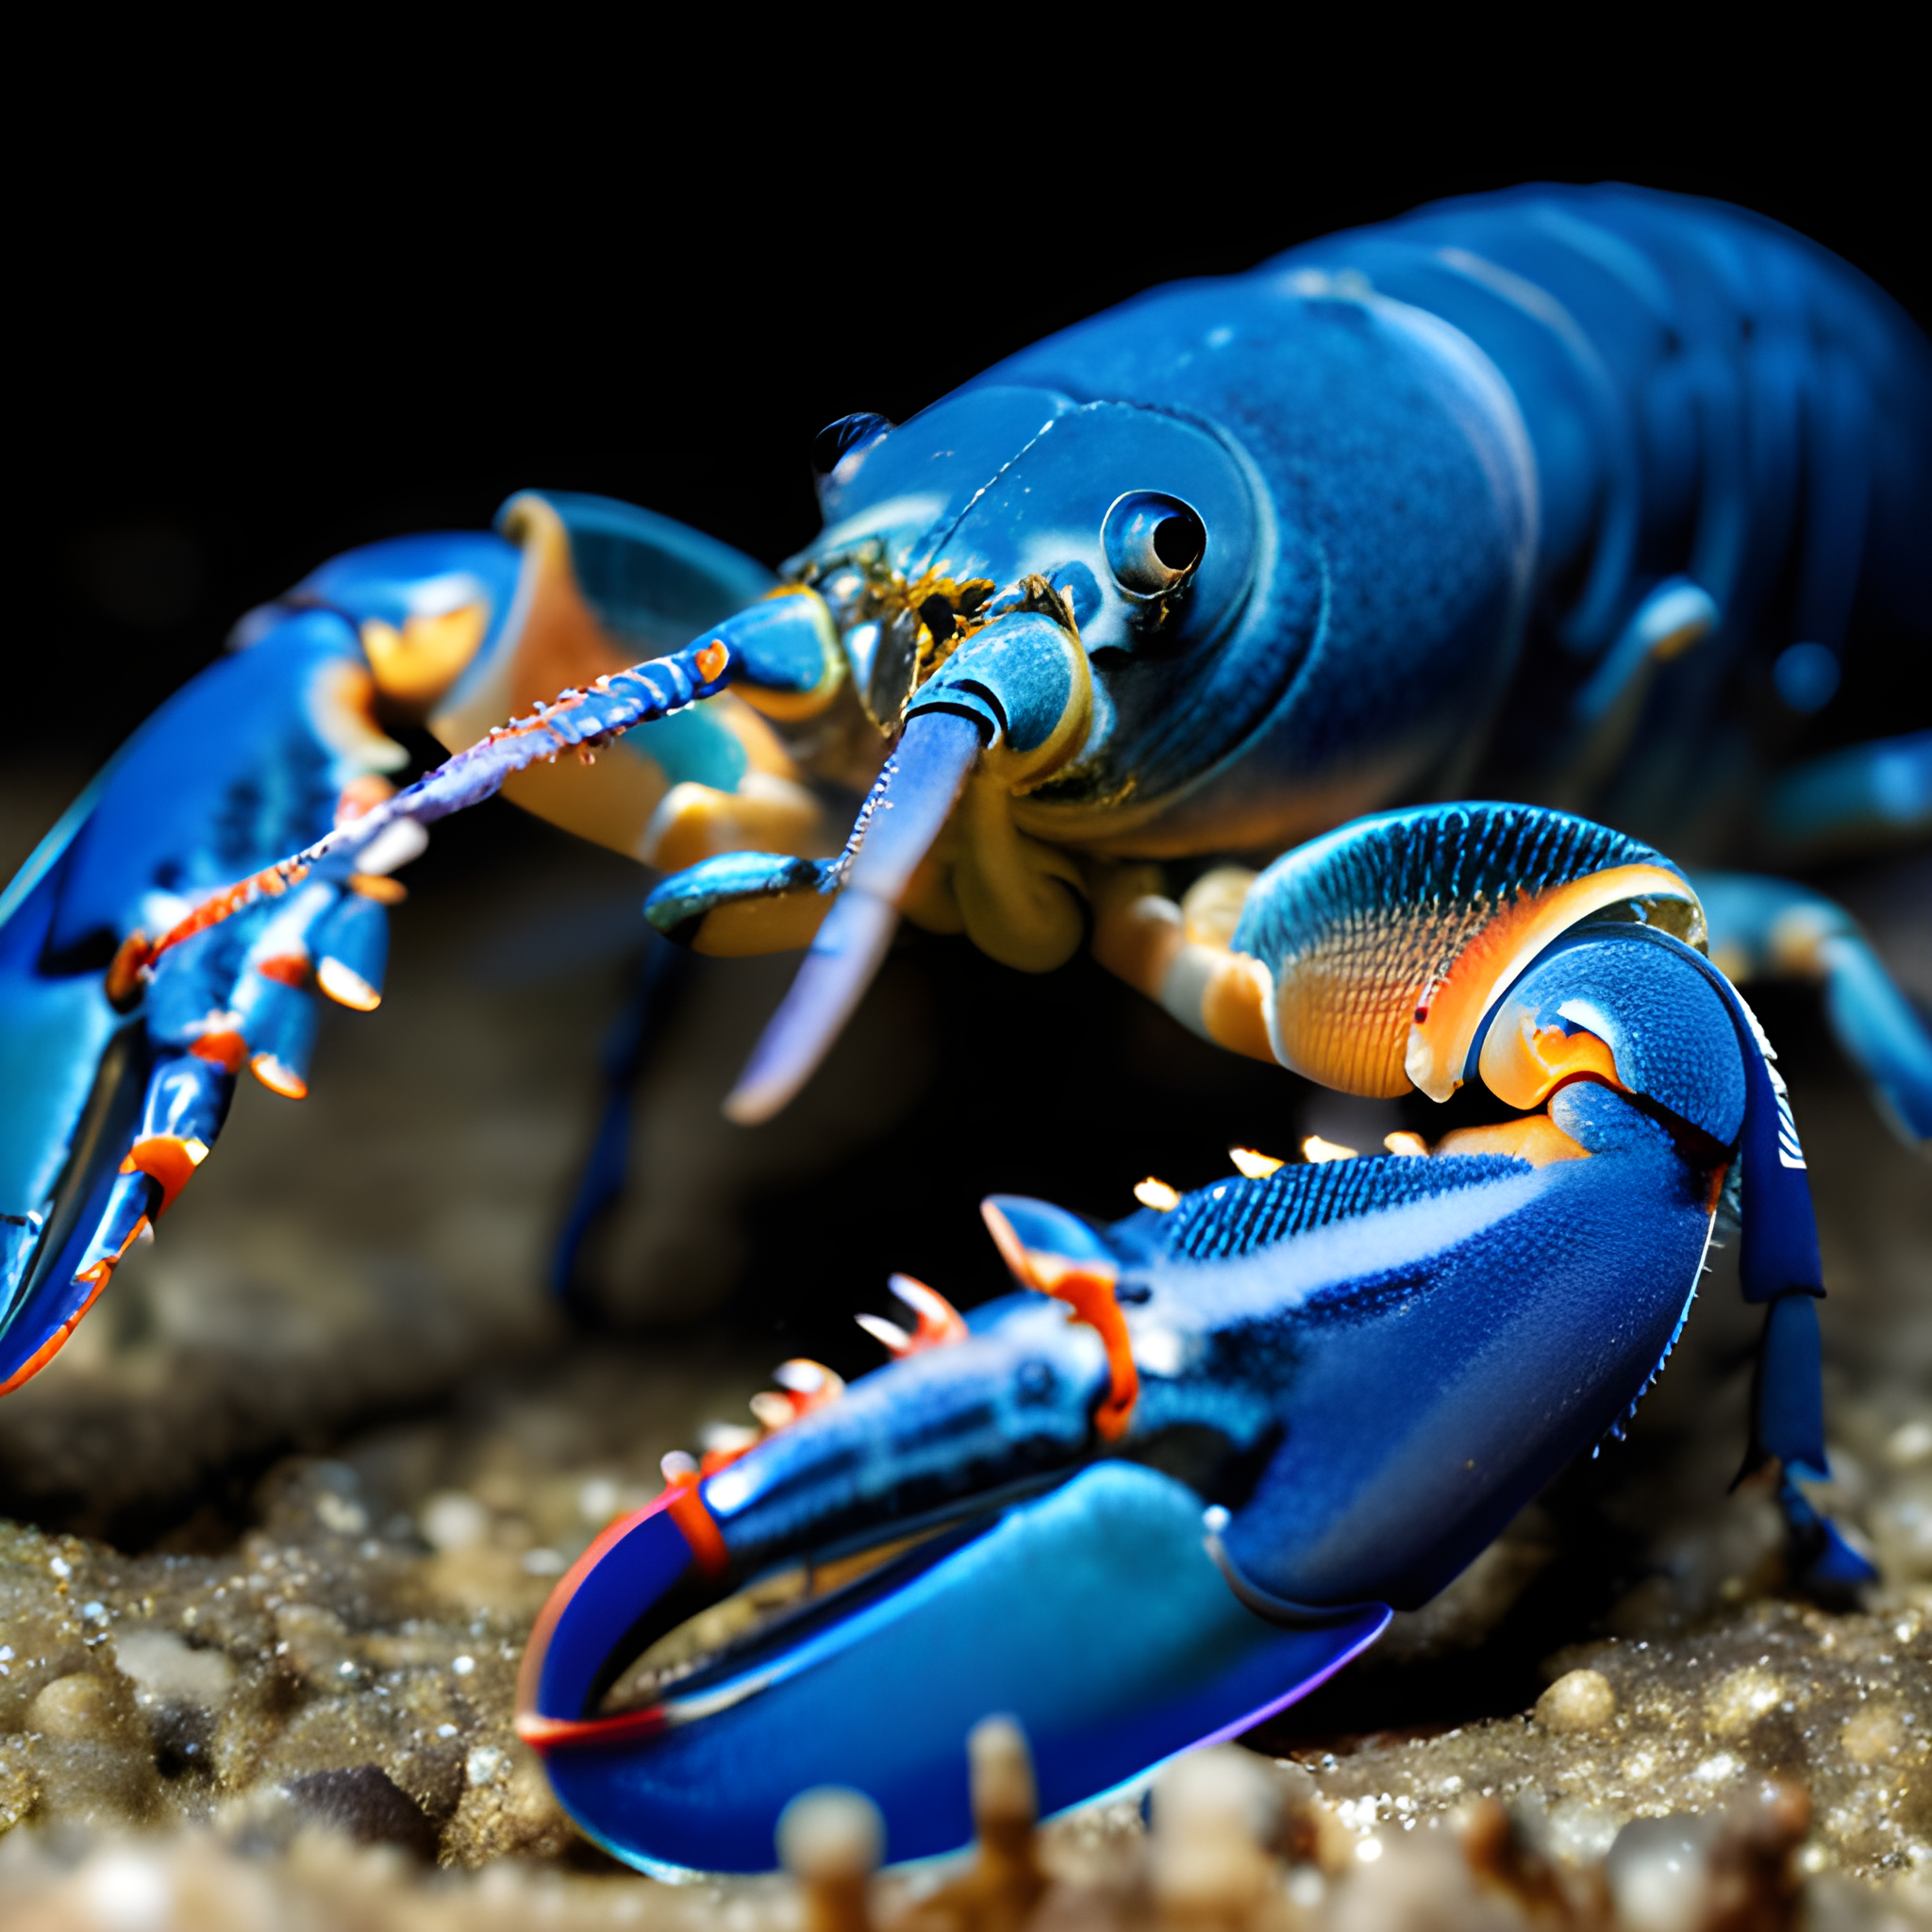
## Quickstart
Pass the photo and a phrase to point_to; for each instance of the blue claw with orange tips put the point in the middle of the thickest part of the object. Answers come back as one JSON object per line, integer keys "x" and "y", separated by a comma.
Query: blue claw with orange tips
{"x": 118, "y": 1071}
{"x": 137, "y": 979}
{"x": 1185, "y": 1475}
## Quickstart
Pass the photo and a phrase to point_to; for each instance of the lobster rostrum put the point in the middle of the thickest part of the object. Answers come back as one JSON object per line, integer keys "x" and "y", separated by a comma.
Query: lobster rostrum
{"x": 1186, "y": 1476}
{"x": 1523, "y": 493}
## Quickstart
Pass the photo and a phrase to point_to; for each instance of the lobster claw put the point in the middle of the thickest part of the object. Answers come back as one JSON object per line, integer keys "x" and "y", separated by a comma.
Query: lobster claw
{"x": 1095, "y": 1613}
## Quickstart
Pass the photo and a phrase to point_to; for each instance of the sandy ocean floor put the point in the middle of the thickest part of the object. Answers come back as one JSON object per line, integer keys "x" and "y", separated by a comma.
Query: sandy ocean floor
{"x": 282, "y": 1513}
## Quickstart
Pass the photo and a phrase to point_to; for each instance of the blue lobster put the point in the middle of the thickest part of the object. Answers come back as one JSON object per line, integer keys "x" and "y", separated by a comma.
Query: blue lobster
{"x": 1519, "y": 492}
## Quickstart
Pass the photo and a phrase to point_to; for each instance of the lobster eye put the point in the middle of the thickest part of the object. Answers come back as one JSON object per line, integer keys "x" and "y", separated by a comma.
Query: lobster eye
{"x": 848, "y": 436}
{"x": 1153, "y": 542}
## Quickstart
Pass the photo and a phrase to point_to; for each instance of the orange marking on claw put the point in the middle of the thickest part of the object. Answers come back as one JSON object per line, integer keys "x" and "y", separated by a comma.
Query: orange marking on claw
{"x": 1088, "y": 1291}
{"x": 1523, "y": 1063}
{"x": 803, "y": 1385}
{"x": 695, "y": 1524}
{"x": 285, "y": 969}
{"x": 550, "y": 1733}
{"x": 101, "y": 1272}
{"x": 58, "y": 1341}
{"x": 531, "y": 1726}
{"x": 712, "y": 660}
{"x": 1087, "y": 1287}
{"x": 224, "y": 1046}
{"x": 169, "y": 1158}
{"x": 1449, "y": 1009}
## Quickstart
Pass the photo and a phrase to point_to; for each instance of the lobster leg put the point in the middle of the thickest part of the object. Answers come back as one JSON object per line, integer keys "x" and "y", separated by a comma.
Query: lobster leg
{"x": 1867, "y": 797}
{"x": 1780, "y": 1267}
{"x": 642, "y": 1023}
{"x": 1768, "y": 928}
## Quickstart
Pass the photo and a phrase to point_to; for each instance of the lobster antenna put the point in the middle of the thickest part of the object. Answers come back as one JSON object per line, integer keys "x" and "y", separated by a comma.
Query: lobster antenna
{"x": 579, "y": 721}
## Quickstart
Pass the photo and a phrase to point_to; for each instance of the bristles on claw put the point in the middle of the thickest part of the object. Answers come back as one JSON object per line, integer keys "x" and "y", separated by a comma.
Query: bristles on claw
{"x": 773, "y": 1412}
{"x": 939, "y": 1322}
{"x": 811, "y": 1381}
{"x": 1315, "y": 1148}
{"x": 888, "y": 1334}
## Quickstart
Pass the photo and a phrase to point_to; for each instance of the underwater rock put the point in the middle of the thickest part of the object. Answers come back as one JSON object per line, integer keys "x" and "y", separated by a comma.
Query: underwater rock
{"x": 366, "y": 1806}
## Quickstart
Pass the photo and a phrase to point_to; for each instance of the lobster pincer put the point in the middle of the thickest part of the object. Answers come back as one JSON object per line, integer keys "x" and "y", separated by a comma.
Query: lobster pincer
{"x": 130, "y": 998}
{"x": 952, "y": 1537}
{"x": 1188, "y": 1474}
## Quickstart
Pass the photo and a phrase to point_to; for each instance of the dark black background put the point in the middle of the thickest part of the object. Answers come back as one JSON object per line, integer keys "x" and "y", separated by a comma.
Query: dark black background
{"x": 262, "y": 316}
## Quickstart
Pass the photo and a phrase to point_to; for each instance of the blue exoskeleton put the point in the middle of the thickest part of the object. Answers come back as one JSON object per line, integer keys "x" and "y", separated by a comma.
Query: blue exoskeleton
{"x": 1524, "y": 496}
{"x": 1186, "y": 1477}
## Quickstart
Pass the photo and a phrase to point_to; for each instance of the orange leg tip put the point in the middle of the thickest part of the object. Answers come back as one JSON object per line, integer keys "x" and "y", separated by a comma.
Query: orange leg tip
{"x": 376, "y": 886}
{"x": 169, "y": 1159}
{"x": 278, "y": 1077}
{"x": 346, "y": 986}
